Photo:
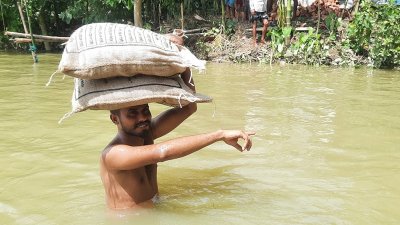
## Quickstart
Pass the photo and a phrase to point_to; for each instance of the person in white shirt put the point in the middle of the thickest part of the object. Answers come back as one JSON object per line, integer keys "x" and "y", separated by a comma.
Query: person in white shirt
{"x": 258, "y": 9}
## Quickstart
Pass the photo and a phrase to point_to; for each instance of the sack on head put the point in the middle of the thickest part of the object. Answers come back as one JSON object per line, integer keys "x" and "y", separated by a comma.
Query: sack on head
{"x": 102, "y": 50}
{"x": 122, "y": 92}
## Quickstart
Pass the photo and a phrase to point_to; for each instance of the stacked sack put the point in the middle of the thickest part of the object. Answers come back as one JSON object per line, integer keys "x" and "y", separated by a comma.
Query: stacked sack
{"x": 117, "y": 66}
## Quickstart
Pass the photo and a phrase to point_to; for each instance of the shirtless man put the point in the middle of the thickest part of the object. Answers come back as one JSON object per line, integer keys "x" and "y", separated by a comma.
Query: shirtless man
{"x": 128, "y": 164}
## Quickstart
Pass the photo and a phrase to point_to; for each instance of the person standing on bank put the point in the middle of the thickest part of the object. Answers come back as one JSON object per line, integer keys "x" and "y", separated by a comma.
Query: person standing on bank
{"x": 128, "y": 164}
{"x": 258, "y": 10}
{"x": 230, "y": 8}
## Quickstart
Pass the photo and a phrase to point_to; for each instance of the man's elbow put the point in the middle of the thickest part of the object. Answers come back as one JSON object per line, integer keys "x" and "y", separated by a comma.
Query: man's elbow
{"x": 192, "y": 107}
{"x": 163, "y": 153}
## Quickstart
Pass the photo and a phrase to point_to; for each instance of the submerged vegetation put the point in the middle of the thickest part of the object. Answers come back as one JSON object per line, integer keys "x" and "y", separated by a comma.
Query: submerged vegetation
{"x": 370, "y": 36}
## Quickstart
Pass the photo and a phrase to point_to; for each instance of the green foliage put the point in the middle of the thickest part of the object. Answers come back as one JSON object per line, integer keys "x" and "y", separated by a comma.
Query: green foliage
{"x": 307, "y": 48}
{"x": 114, "y": 3}
{"x": 10, "y": 15}
{"x": 213, "y": 32}
{"x": 278, "y": 37}
{"x": 202, "y": 49}
{"x": 332, "y": 23}
{"x": 89, "y": 11}
{"x": 375, "y": 33}
{"x": 230, "y": 28}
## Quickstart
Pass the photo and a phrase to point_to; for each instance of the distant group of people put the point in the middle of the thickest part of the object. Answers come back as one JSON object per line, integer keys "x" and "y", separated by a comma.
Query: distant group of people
{"x": 237, "y": 9}
{"x": 240, "y": 9}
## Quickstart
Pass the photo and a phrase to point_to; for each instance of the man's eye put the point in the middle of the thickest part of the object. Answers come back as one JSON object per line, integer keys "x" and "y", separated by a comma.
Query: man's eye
{"x": 132, "y": 113}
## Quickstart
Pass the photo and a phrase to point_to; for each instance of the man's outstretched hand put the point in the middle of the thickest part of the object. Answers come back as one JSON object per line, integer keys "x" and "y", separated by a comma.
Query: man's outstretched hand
{"x": 231, "y": 137}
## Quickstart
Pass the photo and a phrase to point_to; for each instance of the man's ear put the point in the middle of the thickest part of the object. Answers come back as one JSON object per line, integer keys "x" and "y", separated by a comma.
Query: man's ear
{"x": 114, "y": 118}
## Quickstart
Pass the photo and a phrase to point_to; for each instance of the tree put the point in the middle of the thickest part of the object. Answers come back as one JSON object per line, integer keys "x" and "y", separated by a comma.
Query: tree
{"x": 137, "y": 11}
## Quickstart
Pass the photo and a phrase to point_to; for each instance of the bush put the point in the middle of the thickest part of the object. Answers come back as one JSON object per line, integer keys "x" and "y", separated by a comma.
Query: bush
{"x": 375, "y": 33}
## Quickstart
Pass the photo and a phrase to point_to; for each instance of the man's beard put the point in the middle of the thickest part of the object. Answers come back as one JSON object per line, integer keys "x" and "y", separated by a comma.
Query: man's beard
{"x": 132, "y": 132}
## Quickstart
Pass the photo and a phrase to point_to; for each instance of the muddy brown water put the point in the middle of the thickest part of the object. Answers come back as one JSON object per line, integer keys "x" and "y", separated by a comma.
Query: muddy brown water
{"x": 327, "y": 149}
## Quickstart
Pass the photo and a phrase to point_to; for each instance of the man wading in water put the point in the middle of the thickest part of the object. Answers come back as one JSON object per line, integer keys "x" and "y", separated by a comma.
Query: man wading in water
{"x": 128, "y": 165}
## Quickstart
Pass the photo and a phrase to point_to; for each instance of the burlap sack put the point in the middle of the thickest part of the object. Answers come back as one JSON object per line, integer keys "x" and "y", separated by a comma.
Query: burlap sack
{"x": 121, "y": 92}
{"x": 102, "y": 50}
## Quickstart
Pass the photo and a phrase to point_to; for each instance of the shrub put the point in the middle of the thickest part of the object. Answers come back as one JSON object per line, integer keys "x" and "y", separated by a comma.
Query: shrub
{"x": 375, "y": 32}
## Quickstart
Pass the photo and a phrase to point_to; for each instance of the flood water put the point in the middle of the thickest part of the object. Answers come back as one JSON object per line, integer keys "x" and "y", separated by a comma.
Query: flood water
{"x": 327, "y": 149}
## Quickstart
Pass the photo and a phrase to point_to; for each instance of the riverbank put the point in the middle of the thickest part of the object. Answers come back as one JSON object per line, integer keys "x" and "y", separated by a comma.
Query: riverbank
{"x": 305, "y": 47}
{"x": 370, "y": 38}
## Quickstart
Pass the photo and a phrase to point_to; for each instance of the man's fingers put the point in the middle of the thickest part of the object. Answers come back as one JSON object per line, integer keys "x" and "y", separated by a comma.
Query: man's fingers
{"x": 237, "y": 146}
{"x": 251, "y": 133}
{"x": 233, "y": 136}
{"x": 247, "y": 144}
{"x": 247, "y": 141}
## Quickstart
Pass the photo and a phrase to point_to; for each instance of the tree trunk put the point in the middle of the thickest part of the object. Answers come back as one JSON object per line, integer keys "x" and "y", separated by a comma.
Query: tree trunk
{"x": 43, "y": 28}
{"x": 2, "y": 15}
{"x": 156, "y": 15}
{"x": 159, "y": 15}
{"x": 137, "y": 12}
{"x": 87, "y": 11}
{"x": 56, "y": 12}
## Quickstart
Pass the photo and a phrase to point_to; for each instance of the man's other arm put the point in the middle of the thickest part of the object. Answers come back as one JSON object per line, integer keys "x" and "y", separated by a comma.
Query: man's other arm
{"x": 170, "y": 119}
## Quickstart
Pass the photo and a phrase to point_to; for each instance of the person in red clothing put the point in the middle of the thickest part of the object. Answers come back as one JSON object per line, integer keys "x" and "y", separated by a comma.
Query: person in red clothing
{"x": 239, "y": 10}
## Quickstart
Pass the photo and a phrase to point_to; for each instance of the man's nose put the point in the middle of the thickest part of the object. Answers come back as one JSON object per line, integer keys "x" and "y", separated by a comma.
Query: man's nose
{"x": 143, "y": 117}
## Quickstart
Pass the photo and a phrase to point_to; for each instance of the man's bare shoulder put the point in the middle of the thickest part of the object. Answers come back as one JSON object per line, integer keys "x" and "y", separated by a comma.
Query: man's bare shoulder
{"x": 112, "y": 152}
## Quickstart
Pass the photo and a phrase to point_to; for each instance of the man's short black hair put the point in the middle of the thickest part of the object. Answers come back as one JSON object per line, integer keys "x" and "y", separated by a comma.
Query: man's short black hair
{"x": 115, "y": 112}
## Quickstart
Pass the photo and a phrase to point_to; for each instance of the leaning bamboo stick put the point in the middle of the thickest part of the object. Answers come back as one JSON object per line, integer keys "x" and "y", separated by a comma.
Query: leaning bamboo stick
{"x": 44, "y": 37}
{"x": 21, "y": 14}
{"x": 25, "y": 40}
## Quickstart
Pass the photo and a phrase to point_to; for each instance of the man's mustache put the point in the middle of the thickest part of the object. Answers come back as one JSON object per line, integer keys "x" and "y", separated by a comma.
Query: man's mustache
{"x": 147, "y": 122}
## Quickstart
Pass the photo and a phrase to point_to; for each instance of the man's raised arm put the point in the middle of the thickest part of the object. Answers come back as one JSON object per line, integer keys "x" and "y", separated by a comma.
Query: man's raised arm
{"x": 170, "y": 119}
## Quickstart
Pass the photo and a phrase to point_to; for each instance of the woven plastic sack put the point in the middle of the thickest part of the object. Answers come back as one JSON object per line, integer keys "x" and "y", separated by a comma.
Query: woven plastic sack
{"x": 102, "y": 50}
{"x": 122, "y": 92}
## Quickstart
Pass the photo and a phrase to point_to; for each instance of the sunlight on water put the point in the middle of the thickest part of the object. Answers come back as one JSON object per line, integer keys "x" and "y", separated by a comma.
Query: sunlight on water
{"x": 326, "y": 149}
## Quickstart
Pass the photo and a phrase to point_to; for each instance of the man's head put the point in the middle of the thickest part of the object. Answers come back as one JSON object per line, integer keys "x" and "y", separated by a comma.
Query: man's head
{"x": 133, "y": 120}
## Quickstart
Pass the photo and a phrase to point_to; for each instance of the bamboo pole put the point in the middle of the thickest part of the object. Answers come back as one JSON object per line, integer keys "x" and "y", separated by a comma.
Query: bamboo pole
{"x": 182, "y": 20}
{"x": 44, "y": 37}
{"x": 33, "y": 46}
{"x": 34, "y": 57}
{"x": 288, "y": 12}
{"x": 22, "y": 17}
{"x": 25, "y": 40}
{"x": 288, "y": 19}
